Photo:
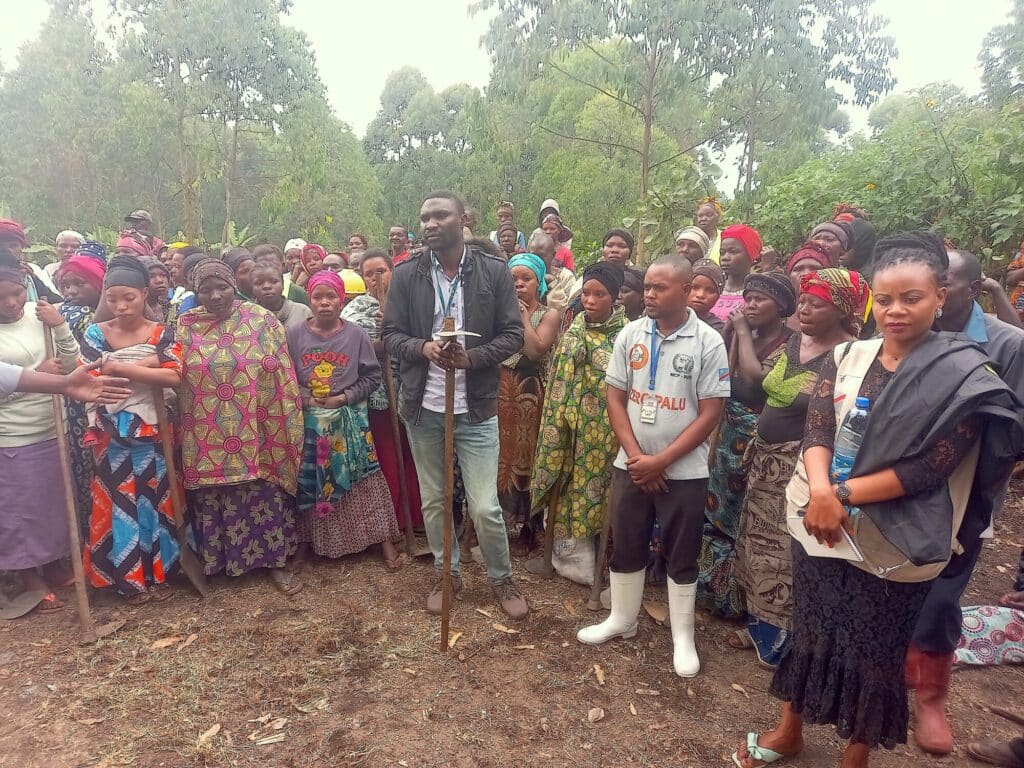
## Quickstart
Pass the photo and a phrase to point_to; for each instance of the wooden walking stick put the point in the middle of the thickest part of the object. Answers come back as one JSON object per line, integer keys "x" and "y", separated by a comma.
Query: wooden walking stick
{"x": 88, "y": 629}
{"x": 449, "y": 488}
{"x": 189, "y": 562}
{"x": 548, "y": 570}
{"x": 594, "y": 603}
{"x": 396, "y": 433}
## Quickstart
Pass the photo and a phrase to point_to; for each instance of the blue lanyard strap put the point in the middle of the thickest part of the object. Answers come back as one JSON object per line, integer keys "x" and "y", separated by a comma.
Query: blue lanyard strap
{"x": 446, "y": 304}
{"x": 656, "y": 351}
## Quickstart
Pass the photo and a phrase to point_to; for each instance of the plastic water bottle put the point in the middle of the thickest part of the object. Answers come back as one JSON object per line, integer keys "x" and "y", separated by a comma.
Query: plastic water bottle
{"x": 849, "y": 440}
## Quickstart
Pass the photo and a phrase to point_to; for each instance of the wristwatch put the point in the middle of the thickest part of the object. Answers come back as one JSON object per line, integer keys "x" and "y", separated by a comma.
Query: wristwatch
{"x": 843, "y": 494}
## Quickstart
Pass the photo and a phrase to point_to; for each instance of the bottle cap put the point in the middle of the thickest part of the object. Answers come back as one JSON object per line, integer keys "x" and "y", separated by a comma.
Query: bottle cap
{"x": 863, "y": 403}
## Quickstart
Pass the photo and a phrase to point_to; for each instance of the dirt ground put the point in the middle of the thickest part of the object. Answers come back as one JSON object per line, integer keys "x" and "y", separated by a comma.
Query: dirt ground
{"x": 348, "y": 673}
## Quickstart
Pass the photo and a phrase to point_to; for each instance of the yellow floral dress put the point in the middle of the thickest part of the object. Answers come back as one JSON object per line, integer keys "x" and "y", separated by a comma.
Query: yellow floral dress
{"x": 576, "y": 447}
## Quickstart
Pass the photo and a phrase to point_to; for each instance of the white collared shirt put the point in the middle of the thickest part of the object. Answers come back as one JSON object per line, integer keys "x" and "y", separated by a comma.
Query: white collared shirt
{"x": 433, "y": 393}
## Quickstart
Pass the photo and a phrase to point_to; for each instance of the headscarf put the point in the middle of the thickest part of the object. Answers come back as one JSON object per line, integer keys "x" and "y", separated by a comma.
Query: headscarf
{"x": 11, "y": 273}
{"x": 12, "y": 230}
{"x": 90, "y": 249}
{"x": 126, "y": 271}
{"x": 86, "y": 267}
{"x": 209, "y": 267}
{"x": 193, "y": 260}
{"x": 864, "y": 240}
{"x": 135, "y": 244}
{"x": 505, "y": 205}
{"x": 295, "y": 242}
{"x": 633, "y": 279}
{"x": 625, "y": 234}
{"x": 695, "y": 235}
{"x": 236, "y": 257}
{"x": 836, "y": 286}
{"x": 329, "y": 278}
{"x": 778, "y": 287}
{"x": 748, "y": 236}
{"x": 840, "y": 229}
{"x": 713, "y": 202}
{"x": 564, "y": 233}
{"x": 69, "y": 233}
{"x": 152, "y": 262}
{"x": 606, "y": 273}
{"x": 848, "y": 212}
{"x": 711, "y": 271}
{"x": 812, "y": 250}
{"x": 312, "y": 248}
{"x": 177, "y": 246}
{"x": 506, "y": 225}
{"x": 535, "y": 263}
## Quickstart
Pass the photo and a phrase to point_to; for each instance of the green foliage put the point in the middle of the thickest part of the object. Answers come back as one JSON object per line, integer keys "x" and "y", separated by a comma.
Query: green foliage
{"x": 939, "y": 159}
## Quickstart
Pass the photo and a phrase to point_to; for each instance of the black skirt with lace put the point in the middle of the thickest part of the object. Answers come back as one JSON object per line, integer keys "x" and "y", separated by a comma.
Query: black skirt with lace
{"x": 843, "y": 664}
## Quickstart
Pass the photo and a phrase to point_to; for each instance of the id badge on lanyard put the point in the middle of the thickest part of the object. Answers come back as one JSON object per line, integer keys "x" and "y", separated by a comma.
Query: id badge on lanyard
{"x": 649, "y": 401}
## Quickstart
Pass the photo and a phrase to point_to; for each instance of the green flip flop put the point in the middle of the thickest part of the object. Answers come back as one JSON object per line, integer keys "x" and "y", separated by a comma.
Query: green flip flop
{"x": 765, "y": 755}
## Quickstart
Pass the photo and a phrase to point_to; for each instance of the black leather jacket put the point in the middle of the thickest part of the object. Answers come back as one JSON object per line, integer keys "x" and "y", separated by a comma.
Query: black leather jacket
{"x": 490, "y": 309}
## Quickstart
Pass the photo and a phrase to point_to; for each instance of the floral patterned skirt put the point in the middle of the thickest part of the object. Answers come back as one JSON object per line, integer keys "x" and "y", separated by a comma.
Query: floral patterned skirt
{"x": 241, "y": 528}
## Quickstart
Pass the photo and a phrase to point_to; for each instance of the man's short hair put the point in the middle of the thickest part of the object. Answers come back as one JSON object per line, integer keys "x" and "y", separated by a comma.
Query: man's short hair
{"x": 444, "y": 194}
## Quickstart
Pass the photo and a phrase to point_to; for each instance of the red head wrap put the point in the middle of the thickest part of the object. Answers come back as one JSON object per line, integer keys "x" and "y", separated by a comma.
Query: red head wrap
{"x": 812, "y": 250}
{"x": 836, "y": 286}
{"x": 12, "y": 230}
{"x": 89, "y": 269}
{"x": 134, "y": 244}
{"x": 329, "y": 278}
{"x": 749, "y": 236}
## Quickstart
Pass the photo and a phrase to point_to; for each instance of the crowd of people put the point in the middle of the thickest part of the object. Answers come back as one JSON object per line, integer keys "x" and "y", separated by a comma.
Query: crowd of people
{"x": 696, "y": 410}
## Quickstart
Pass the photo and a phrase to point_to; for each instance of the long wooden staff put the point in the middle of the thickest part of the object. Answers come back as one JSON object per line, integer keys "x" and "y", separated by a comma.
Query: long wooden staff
{"x": 381, "y": 295}
{"x": 548, "y": 570}
{"x": 189, "y": 562}
{"x": 594, "y": 603}
{"x": 449, "y": 491}
{"x": 82, "y": 598}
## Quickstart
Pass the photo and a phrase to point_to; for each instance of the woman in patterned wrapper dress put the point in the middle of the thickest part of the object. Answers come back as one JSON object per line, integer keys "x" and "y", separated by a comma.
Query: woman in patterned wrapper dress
{"x": 520, "y": 397}
{"x": 132, "y": 544}
{"x": 827, "y": 308}
{"x": 344, "y": 502}
{"x": 756, "y": 336}
{"x": 576, "y": 445}
{"x": 241, "y": 431}
{"x": 80, "y": 280}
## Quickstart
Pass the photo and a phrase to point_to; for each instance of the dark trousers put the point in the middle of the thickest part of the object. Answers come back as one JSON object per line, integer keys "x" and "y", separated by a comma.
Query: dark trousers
{"x": 680, "y": 513}
{"x": 939, "y": 623}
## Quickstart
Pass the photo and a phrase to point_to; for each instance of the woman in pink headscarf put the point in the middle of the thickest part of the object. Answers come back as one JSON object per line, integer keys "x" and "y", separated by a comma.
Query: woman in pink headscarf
{"x": 80, "y": 281}
{"x": 310, "y": 262}
{"x": 343, "y": 499}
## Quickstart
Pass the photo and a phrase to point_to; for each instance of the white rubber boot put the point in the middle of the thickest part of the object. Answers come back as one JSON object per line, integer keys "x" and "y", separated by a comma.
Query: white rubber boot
{"x": 681, "y": 599}
{"x": 627, "y": 594}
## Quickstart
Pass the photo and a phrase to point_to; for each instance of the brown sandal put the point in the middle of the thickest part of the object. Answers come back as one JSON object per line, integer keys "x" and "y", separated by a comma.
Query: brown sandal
{"x": 740, "y": 640}
{"x": 396, "y": 563}
{"x": 161, "y": 592}
{"x": 285, "y": 582}
{"x": 139, "y": 598}
{"x": 50, "y": 604}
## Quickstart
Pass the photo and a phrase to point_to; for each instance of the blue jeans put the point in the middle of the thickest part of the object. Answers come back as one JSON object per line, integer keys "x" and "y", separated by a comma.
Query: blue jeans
{"x": 477, "y": 449}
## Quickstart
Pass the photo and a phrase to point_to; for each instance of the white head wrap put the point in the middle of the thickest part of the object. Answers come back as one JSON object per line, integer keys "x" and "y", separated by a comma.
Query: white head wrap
{"x": 295, "y": 242}
{"x": 70, "y": 233}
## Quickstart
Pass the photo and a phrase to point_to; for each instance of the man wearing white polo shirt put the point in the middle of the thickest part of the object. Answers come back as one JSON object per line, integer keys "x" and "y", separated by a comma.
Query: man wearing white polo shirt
{"x": 667, "y": 382}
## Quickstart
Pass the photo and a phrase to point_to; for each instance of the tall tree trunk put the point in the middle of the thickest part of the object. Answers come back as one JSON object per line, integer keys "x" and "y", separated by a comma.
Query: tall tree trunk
{"x": 645, "y": 147}
{"x": 229, "y": 184}
{"x": 748, "y": 174}
{"x": 186, "y": 177}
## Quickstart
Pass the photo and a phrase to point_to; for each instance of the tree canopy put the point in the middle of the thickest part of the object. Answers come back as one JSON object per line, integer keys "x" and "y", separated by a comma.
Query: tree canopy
{"x": 212, "y": 115}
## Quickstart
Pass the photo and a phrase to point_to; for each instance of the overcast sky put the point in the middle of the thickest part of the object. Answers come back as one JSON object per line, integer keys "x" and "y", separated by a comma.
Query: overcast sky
{"x": 358, "y": 44}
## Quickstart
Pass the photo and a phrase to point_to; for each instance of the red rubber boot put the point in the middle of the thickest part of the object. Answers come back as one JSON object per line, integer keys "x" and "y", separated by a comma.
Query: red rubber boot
{"x": 931, "y": 731}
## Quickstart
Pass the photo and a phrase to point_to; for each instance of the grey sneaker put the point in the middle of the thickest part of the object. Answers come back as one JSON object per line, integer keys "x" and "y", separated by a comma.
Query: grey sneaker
{"x": 512, "y": 601}
{"x": 434, "y": 599}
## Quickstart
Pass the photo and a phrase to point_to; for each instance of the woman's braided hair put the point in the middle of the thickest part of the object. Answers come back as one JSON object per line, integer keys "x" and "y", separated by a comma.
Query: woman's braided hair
{"x": 919, "y": 247}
